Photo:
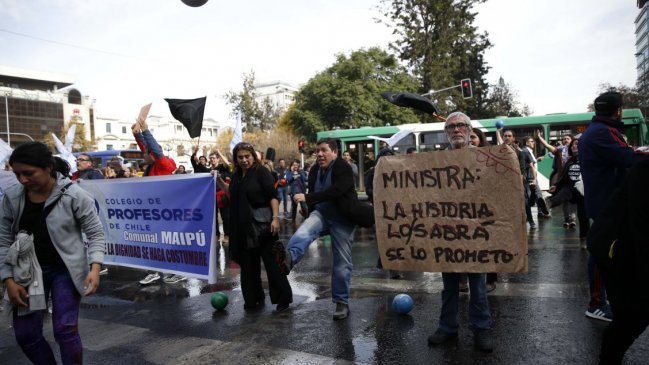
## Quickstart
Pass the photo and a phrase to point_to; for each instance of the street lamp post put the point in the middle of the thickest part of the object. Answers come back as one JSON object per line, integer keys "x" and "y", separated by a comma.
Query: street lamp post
{"x": 7, "y": 115}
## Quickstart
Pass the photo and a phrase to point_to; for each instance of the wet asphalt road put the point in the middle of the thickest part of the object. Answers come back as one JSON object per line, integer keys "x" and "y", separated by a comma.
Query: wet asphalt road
{"x": 538, "y": 317}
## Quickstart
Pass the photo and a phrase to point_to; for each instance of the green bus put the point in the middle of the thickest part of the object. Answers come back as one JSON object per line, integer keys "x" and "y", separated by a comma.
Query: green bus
{"x": 431, "y": 136}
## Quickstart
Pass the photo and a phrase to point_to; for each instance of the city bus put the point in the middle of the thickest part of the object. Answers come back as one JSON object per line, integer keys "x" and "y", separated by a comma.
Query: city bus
{"x": 432, "y": 137}
{"x": 101, "y": 158}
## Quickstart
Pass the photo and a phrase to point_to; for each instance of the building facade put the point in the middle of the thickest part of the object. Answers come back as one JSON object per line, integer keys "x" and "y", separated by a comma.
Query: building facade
{"x": 280, "y": 94}
{"x": 34, "y": 104}
{"x": 642, "y": 47}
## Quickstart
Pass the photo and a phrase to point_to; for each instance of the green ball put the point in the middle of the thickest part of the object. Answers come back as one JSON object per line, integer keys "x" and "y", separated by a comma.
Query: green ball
{"x": 219, "y": 300}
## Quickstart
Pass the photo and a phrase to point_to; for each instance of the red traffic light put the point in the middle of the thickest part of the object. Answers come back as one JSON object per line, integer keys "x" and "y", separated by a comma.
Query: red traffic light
{"x": 465, "y": 84}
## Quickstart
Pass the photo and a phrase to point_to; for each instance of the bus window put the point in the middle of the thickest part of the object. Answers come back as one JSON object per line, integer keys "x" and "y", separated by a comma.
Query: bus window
{"x": 405, "y": 143}
{"x": 432, "y": 141}
{"x": 632, "y": 134}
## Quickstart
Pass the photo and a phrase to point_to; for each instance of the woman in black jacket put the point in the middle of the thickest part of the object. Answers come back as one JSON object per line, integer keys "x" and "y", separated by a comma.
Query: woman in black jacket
{"x": 254, "y": 210}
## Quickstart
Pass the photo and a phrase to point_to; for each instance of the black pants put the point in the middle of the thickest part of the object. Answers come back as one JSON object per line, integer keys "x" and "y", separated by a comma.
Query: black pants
{"x": 278, "y": 286}
{"x": 630, "y": 310}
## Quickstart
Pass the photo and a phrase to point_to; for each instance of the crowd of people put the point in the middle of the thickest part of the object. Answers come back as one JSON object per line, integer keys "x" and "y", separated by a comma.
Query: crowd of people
{"x": 589, "y": 178}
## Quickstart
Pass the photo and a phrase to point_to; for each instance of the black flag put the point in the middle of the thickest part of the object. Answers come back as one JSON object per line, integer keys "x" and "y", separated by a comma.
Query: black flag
{"x": 189, "y": 112}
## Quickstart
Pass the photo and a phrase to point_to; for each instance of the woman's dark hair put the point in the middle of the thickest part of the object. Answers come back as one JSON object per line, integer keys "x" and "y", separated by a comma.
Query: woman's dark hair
{"x": 248, "y": 147}
{"x": 570, "y": 153}
{"x": 39, "y": 155}
{"x": 482, "y": 137}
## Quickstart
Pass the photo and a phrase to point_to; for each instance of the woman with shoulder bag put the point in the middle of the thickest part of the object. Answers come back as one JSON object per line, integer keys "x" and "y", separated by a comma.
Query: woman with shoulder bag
{"x": 46, "y": 214}
{"x": 254, "y": 210}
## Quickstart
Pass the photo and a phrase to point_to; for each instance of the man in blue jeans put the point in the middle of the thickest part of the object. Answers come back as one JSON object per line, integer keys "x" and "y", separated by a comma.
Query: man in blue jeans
{"x": 458, "y": 130}
{"x": 334, "y": 209}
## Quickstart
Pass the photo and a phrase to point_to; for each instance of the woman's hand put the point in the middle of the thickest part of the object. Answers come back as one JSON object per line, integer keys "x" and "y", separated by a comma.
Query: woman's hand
{"x": 91, "y": 284}
{"x": 17, "y": 294}
{"x": 274, "y": 226}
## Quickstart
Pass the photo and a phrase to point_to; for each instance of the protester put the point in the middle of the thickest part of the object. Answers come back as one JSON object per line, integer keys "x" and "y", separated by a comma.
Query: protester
{"x": 180, "y": 170}
{"x": 282, "y": 187}
{"x": 85, "y": 170}
{"x": 255, "y": 209}
{"x": 52, "y": 235}
{"x": 458, "y": 130}
{"x": 297, "y": 181}
{"x": 560, "y": 156}
{"x": 334, "y": 208}
{"x": 618, "y": 243}
{"x": 348, "y": 158}
{"x": 568, "y": 188}
{"x": 157, "y": 164}
{"x": 604, "y": 157}
{"x": 536, "y": 196}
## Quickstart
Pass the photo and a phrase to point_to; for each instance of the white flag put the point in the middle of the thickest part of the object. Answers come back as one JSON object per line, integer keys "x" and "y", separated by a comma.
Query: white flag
{"x": 395, "y": 138}
{"x": 238, "y": 134}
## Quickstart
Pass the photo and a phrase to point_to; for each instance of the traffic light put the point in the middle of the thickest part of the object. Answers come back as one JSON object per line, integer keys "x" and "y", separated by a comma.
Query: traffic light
{"x": 465, "y": 84}
{"x": 300, "y": 146}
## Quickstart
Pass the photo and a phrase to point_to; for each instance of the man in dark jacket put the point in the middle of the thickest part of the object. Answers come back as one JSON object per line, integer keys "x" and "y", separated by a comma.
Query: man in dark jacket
{"x": 334, "y": 208}
{"x": 604, "y": 157}
{"x": 85, "y": 170}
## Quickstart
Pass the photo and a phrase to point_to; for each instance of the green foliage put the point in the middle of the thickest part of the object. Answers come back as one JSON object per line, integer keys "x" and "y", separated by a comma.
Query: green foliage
{"x": 441, "y": 46}
{"x": 631, "y": 96}
{"x": 347, "y": 95}
{"x": 501, "y": 101}
{"x": 254, "y": 116}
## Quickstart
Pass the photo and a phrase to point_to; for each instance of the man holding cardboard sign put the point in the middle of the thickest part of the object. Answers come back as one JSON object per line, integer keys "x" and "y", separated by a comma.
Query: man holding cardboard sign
{"x": 444, "y": 212}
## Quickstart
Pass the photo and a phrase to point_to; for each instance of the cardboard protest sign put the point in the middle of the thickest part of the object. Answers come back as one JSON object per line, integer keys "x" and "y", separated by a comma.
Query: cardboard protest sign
{"x": 451, "y": 211}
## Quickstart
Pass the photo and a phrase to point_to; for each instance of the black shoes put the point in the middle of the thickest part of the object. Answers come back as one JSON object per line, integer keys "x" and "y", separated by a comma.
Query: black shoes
{"x": 281, "y": 307}
{"x": 480, "y": 337}
{"x": 440, "y": 337}
{"x": 342, "y": 311}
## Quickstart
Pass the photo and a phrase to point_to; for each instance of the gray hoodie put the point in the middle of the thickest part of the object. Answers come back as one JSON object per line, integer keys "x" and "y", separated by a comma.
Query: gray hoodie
{"x": 74, "y": 212}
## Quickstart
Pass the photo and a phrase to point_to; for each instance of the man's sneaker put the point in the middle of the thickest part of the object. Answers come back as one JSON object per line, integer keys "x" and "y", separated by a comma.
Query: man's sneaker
{"x": 172, "y": 279}
{"x": 282, "y": 257}
{"x": 572, "y": 225}
{"x": 483, "y": 341}
{"x": 342, "y": 311}
{"x": 151, "y": 278}
{"x": 602, "y": 313}
{"x": 566, "y": 224}
{"x": 440, "y": 337}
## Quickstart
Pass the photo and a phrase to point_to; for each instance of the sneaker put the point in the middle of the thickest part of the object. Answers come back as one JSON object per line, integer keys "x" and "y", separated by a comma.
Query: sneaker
{"x": 440, "y": 337}
{"x": 566, "y": 224}
{"x": 483, "y": 341}
{"x": 342, "y": 311}
{"x": 491, "y": 287}
{"x": 172, "y": 279}
{"x": 282, "y": 257}
{"x": 151, "y": 278}
{"x": 104, "y": 271}
{"x": 464, "y": 288}
{"x": 602, "y": 313}
{"x": 572, "y": 225}
{"x": 281, "y": 307}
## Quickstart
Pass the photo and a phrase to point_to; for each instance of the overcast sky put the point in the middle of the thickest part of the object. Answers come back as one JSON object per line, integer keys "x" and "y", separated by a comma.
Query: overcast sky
{"x": 129, "y": 52}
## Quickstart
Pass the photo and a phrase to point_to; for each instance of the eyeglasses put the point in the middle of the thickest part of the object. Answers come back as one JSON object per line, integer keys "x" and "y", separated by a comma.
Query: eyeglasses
{"x": 451, "y": 127}
{"x": 82, "y": 160}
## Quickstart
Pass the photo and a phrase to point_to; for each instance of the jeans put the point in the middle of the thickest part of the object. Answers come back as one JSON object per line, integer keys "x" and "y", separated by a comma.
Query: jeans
{"x": 66, "y": 300}
{"x": 479, "y": 314}
{"x": 342, "y": 234}
{"x": 282, "y": 191}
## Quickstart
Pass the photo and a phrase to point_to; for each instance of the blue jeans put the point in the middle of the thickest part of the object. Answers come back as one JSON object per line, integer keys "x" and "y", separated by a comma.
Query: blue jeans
{"x": 342, "y": 235}
{"x": 66, "y": 300}
{"x": 479, "y": 314}
{"x": 282, "y": 191}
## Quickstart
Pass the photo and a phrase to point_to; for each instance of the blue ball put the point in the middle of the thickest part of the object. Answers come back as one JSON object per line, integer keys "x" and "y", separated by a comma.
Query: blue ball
{"x": 402, "y": 303}
{"x": 500, "y": 124}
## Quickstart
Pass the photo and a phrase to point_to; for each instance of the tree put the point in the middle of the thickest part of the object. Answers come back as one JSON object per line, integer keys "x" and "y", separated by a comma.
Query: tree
{"x": 254, "y": 116}
{"x": 501, "y": 101}
{"x": 631, "y": 96}
{"x": 441, "y": 46}
{"x": 347, "y": 95}
{"x": 79, "y": 143}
